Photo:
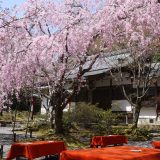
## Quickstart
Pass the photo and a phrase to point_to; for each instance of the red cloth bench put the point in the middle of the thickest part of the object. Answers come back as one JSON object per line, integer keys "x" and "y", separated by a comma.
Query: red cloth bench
{"x": 156, "y": 144}
{"x": 104, "y": 141}
{"x": 35, "y": 149}
{"x": 112, "y": 153}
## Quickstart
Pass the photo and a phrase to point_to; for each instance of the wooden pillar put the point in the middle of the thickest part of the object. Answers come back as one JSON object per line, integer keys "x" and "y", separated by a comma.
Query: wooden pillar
{"x": 157, "y": 98}
{"x": 91, "y": 87}
{"x": 111, "y": 91}
{"x": 14, "y": 137}
{"x": 126, "y": 118}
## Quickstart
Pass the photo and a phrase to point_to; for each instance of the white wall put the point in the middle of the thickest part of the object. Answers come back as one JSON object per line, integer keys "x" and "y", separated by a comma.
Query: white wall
{"x": 43, "y": 103}
{"x": 121, "y": 105}
{"x": 69, "y": 106}
{"x": 148, "y": 114}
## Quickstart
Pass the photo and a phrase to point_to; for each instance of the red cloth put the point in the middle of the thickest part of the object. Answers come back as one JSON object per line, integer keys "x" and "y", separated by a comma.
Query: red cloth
{"x": 156, "y": 144}
{"x": 36, "y": 149}
{"x": 112, "y": 153}
{"x": 108, "y": 140}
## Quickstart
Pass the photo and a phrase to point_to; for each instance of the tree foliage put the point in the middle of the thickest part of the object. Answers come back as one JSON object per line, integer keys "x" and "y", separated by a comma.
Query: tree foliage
{"x": 43, "y": 42}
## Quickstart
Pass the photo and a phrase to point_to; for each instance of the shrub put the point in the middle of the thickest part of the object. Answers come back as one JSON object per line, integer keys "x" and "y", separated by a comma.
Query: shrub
{"x": 121, "y": 130}
{"x": 91, "y": 117}
{"x": 140, "y": 134}
{"x": 67, "y": 121}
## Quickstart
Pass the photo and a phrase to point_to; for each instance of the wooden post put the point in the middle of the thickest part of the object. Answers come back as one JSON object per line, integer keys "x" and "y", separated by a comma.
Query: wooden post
{"x": 30, "y": 131}
{"x": 126, "y": 119}
{"x": 14, "y": 137}
{"x": 111, "y": 91}
{"x": 1, "y": 152}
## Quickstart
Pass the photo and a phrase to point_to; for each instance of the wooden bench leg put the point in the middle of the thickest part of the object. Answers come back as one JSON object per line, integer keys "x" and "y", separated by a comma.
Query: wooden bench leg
{"x": 1, "y": 152}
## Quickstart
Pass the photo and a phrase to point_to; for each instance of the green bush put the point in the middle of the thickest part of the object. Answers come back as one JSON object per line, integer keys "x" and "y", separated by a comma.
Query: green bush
{"x": 121, "y": 130}
{"x": 86, "y": 113}
{"x": 67, "y": 121}
{"x": 140, "y": 134}
{"x": 6, "y": 117}
{"x": 91, "y": 117}
{"x": 102, "y": 128}
{"x": 39, "y": 124}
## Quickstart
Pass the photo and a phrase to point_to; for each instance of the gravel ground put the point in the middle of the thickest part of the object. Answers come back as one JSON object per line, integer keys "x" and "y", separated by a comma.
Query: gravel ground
{"x": 146, "y": 144}
{"x": 7, "y": 130}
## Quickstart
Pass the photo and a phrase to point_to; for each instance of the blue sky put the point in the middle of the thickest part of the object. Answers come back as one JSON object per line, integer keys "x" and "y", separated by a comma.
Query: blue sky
{"x": 11, "y": 3}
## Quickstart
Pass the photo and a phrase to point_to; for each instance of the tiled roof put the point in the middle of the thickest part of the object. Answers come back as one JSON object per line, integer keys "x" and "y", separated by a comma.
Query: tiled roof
{"x": 106, "y": 62}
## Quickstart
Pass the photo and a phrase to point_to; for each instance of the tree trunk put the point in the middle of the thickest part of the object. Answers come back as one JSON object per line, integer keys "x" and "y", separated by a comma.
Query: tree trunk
{"x": 136, "y": 113}
{"x": 59, "y": 120}
{"x": 57, "y": 99}
{"x": 52, "y": 117}
{"x": 14, "y": 120}
{"x": 1, "y": 113}
{"x": 47, "y": 114}
{"x": 28, "y": 120}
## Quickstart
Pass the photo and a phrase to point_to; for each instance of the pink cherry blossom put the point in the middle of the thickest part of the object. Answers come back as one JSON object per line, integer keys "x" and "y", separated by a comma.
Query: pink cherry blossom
{"x": 43, "y": 41}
